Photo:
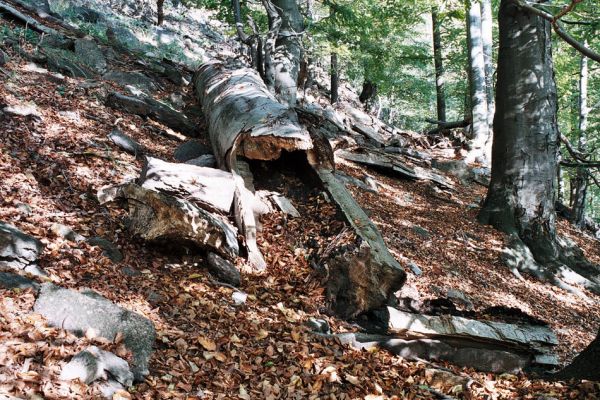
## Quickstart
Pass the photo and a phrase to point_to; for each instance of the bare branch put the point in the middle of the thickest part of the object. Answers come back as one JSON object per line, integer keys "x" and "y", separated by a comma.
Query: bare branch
{"x": 591, "y": 54}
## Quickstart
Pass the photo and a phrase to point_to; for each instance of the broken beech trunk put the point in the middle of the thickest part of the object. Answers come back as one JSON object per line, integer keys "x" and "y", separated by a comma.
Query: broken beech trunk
{"x": 244, "y": 119}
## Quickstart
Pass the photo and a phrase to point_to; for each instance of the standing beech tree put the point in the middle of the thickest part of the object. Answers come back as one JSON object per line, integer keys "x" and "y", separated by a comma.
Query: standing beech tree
{"x": 439, "y": 66}
{"x": 480, "y": 143}
{"x": 521, "y": 197}
{"x": 581, "y": 177}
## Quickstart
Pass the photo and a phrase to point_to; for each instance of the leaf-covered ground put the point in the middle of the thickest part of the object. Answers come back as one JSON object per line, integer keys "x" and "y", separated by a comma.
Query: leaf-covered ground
{"x": 208, "y": 347}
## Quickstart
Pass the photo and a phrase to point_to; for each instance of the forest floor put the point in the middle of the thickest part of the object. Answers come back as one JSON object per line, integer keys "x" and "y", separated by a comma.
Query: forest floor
{"x": 51, "y": 167}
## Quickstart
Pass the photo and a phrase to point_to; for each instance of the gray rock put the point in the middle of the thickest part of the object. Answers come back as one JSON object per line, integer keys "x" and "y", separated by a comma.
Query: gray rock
{"x": 318, "y": 325}
{"x": 154, "y": 298}
{"x": 457, "y": 168}
{"x": 122, "y": 37}
{"x": 135, "y": 79}
{"x": 4, "y": 58}
{"x": 64, "y": 61}
{"x": 126, "y": 143}
{"x": 460, "y": 297}
{"x": 110, "y": 249}
{"x": 66, "y": 232}
{"x": 89, "y": 52}
{"x": 206, "y": 160}
{"x": 18, "y": 250}
{"x": 93, "y": 363}
{"x": 415, "y": 268}
{"x": 424, "y": 233}
{"x": 129, "y": 271}
{"x": 58, "y": 42}
{"x": 223, "y": 270}
{"x": 24, "y": 208}
{"x": 80, "y": 311}
{"x": 191, "y": 149}
{"x": 13, "y": 281}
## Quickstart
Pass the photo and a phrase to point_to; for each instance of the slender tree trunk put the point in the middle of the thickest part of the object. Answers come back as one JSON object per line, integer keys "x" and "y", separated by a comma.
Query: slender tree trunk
{"x": 487, "y": 42}
{"x": 334, "y": 78}
{"x": 368, "y": 93}
{"x": 480, "y": 143}
{"x": 581, "y": 180}
{"x": 439, "y": 66}
{"x": 520, "y": 199}
{"x": 160, "y": 12}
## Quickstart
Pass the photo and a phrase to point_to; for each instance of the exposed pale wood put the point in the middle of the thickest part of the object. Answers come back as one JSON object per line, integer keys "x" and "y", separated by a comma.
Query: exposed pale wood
{"x": 240, "y": 109}
{"x": 390, "y": 163}
{"x": 207, "y": 187}
{"x": 148, "y": 107}
{"x": 161, "y": 218}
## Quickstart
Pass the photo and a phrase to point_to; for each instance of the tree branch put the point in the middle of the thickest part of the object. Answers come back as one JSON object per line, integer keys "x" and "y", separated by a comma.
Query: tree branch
{"x": 589, "y": 53}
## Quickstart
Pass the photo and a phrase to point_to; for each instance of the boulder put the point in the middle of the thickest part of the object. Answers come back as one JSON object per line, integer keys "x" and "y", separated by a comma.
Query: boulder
{"x": 79, "y": 312}
{"x": 13, "y": 281}
{"x": 135, "y": 79}
{"x": 18, "y": 250}
{"x": 89, "y": 52}
{"x": 3, "y": 58}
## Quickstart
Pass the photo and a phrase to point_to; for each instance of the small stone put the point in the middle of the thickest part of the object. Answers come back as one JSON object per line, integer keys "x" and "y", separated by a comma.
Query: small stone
{"x": 66, "y": 232}
{"x": 154, "y": 298}
{"x": 126, "y": 143}
{"x": 460, "y": 297}
{"x": 110, "y": 249}
{"x": 89, "y": 52}
{"x": 130, "y": 271}
{"x": 424, "y": 233}
{"x": 206, "y": 160}
{"x": 191, "y": 149}
{"x": 318, "y": 325}
{"x": 4, "y": 59}
{"x": 239, "y": 298}
{"x": 415, "y": 268}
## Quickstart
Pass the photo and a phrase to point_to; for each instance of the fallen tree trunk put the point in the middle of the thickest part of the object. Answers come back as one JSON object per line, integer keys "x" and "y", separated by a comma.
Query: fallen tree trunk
{"x": 207, "y": 187}
{"x": 363, "y": 278}
{"x": 26, "y": 20}
{"x": 160, "y": 218}
{"x": 391, "y": 163}
{"x": 244, "y": 116}
{"x": 443, "y": 126}
{"x": 484, "y": 345}
{"x": 148, "y": 107}
{"x": 245, "y": 119}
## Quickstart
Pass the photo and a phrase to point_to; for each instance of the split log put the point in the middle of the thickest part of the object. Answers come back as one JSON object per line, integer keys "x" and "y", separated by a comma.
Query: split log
{"x": 484, "y": 345}
{"x": 365, "y": 279}
{"x": 245, "y": 119}
{"x": 26, "y": 20}
{"x": 207, "y": 187}
{"x": 243, "y": 115}
{"x": 148, "y": 107}
{"x": 388, "y": 162}
{"x": 160, "y": 218}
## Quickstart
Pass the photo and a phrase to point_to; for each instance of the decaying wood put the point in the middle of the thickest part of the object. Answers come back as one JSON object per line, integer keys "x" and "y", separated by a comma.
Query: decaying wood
{"x": 157, "y": 217}
{"x": 484, "y": 345}
{"x": 223, "y": 270}
{"x": 148, "y": 107}
{"x": 242, "y": 113}
{"x": 389, "y": 162}
{"x": 31, "y": 23}
{"x": 365, "y": 279}
{"x": 208, "y": 188}
{"x": 245, "y": 119}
